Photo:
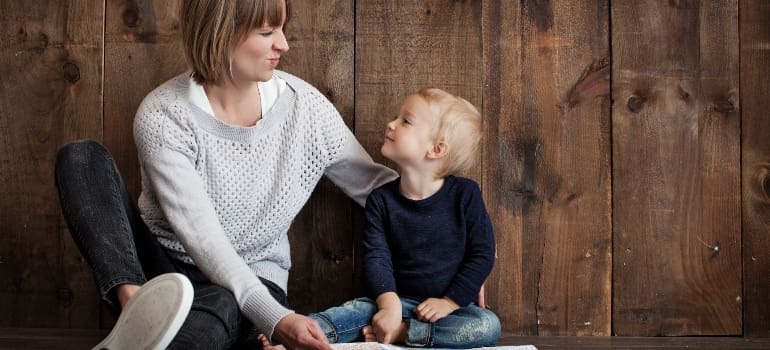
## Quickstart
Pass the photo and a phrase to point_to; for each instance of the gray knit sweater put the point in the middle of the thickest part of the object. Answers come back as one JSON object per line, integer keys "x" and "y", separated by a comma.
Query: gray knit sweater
{"x": 222, "y": 197}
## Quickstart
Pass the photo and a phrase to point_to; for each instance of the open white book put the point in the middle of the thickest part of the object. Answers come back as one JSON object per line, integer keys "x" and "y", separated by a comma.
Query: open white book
{"x": 378, "y": 346}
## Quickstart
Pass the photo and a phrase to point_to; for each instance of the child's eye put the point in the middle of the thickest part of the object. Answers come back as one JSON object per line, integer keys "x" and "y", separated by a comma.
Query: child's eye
{"x": 406, "y": 121}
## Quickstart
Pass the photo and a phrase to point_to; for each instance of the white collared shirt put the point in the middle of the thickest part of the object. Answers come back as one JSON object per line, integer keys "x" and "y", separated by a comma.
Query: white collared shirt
{"x": 268, "y": 92}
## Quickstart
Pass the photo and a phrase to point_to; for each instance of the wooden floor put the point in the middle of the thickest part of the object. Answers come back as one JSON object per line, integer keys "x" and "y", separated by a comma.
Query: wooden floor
{"x": 638, "y": 343}
{"x": 12, "y": 338}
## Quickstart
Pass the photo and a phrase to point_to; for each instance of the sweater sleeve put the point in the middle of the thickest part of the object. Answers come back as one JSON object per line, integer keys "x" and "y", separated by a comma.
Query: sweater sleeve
{"x": 350, "y": 167}
{"x": 376, "y": 256}
{"x": 480, "y": 252}
{"x": 356, "y": 173}
{"x": 167, "y": 154}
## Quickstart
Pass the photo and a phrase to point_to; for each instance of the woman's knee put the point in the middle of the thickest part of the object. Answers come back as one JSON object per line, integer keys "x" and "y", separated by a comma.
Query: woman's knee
{"x": 75, "y": 155}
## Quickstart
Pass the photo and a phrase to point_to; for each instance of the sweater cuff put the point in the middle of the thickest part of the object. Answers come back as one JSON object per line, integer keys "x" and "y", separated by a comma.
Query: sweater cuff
{"x": 376, "y": 288}
{"x": 462, "y": 298}
{"x": 264, "y": 312}
{"x": 375, "y": 293}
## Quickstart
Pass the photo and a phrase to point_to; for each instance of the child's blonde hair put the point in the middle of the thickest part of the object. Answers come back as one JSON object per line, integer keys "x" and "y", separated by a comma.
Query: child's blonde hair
{"x": 458, "y": 126}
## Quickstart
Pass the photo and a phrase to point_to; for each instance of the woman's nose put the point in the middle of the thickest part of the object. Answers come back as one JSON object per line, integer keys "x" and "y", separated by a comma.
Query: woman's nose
{"x": 280, "y": 43}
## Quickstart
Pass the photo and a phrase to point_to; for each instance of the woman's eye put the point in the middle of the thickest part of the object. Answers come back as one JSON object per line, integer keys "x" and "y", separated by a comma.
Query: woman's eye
{"x": 267, "y": 33}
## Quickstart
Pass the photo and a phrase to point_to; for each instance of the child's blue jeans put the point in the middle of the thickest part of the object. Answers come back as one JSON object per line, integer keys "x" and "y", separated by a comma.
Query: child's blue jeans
{"x": 466, "y": 327}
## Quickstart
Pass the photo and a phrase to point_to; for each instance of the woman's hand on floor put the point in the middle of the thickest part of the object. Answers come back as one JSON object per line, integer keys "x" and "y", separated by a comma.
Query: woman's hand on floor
{"x": 296, "y": 331}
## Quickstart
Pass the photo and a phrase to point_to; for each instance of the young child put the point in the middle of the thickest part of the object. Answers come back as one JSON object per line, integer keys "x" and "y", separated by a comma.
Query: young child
{"x": 428, "y": 243}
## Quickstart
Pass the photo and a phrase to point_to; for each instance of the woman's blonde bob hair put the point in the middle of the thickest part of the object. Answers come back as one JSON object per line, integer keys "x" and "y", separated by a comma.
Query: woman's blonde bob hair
{"x": 212, "y": 28}
{"x": 458, "y": 126}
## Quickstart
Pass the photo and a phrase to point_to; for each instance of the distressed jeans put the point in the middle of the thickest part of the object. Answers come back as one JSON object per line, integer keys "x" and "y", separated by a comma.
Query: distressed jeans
{"x": 466, "y": 327}
{"x": 119, "y": 248}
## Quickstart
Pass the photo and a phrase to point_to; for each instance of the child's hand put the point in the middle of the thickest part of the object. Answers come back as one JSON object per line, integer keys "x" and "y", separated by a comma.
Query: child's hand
{"x": 387, "y": 324}
{"x": 480, "y": 301}
{"x": 433, "y": 309}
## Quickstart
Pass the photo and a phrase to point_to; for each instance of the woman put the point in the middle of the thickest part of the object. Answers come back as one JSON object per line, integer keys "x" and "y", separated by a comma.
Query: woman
{"x": 230, "y": 152}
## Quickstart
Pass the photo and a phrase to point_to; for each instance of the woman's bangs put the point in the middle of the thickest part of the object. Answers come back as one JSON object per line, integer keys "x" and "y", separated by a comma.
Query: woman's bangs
{"x": 273, "y": 13}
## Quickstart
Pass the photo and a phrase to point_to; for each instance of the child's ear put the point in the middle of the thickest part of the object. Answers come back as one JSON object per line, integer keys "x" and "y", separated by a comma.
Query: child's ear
{"x": 439, "y": 150}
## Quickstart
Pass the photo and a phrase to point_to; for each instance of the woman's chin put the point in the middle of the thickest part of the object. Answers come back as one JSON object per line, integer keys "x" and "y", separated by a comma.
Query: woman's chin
{"x": 260, "y": 76}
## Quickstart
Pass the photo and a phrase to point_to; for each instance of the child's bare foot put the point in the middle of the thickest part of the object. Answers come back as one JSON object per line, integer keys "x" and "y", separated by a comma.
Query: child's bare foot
{"x": 368, "y": 332}
{"x": 125, "y": 292}
{"x": 400, "y": 337}
{"x": 266, "y": 344}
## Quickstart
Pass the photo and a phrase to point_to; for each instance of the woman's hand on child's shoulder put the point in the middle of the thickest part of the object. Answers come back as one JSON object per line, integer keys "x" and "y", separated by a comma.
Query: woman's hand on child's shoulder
{"x": 434, "y": 309}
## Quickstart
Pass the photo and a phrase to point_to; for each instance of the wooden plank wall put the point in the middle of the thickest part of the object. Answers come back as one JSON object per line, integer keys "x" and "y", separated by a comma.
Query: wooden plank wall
{"x": 616, "y": 157}
{"x": 755, "y": 164}
{"x": 547, "y": 166}
{"x": 322, "y": 32}
{"x": 142, "y": 45}
{"x": 676, "y": 174}
{"x": 51, "y": 93}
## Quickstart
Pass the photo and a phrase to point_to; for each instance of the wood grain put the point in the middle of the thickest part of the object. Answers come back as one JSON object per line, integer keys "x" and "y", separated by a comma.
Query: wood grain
{"x": 676, "y": 184}
{"x": 50, "y": 94}
{"x": 755, "y": 90}
{"x": 142, "y": 50}
{"x": 402, "y": 47}
{"x": 320, "y": 34}
{"x": 539, "y": 70}
{"x": 547, "y": 164}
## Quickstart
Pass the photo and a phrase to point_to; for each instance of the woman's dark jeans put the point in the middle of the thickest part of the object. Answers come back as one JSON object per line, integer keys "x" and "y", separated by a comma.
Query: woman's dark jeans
{"x": 119, "y": 247}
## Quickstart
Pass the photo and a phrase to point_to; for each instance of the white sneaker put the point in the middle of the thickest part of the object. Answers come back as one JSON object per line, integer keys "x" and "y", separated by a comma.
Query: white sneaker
{"x": 153, "y": 316}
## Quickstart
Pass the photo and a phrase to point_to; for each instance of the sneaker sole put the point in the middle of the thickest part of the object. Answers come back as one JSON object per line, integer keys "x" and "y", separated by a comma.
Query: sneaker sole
{"x": 153, "y": 315}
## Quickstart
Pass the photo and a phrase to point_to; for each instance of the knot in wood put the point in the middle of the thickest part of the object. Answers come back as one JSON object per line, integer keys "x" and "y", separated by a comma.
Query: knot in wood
{"x": 635, "y": 103}
{"x": 71, "y": 72}
{"x": 131, "y": 17}
{"x": 724, "y": 107}
{"x": 766, "y": 186}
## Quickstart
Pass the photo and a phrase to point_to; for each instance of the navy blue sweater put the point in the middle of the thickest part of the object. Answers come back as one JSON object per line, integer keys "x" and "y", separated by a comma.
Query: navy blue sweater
{"x": 439, "y": 246}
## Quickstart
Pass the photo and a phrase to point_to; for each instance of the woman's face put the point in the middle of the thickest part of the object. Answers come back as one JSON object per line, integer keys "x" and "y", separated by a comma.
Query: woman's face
{"x": 255, "y": 58}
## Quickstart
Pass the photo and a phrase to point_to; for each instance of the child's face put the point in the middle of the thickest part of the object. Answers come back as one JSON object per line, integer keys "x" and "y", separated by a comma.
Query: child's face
{"x": 410, "y": 136}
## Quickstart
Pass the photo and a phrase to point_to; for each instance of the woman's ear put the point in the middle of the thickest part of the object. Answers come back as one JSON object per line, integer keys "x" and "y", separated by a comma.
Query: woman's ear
{"x": 439, "y": 150}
